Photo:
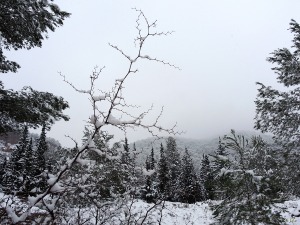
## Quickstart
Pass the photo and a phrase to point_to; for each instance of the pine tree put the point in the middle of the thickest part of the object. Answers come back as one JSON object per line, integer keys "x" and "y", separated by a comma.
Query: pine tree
{"x": 11, "y": 181}
{"x": 220, "y": 161}
{"x": 13, "y": 178}
{"x": 278, "y": 111}
{"x": 40, "y": 166}
{"x": 149, "y": 192}
{"x": 18, "y": 155}
{"x": 29, "y": 108}
{"x": 42, "y": 147}
{"x": 152, "y": 160}
{"x": 190, "y": 191}
{"x": 125, "y": 157}
{"x": 127, "y": 164}
{"x": 162, "y": 175}
{"x": 3, "y": 165}
{"x": 207, "y": 178}
{"x": 251, "y": 192}
{"x": 24, "y": 24}
{"x": 174, "y": 165}
{"x": 28, "y": 173}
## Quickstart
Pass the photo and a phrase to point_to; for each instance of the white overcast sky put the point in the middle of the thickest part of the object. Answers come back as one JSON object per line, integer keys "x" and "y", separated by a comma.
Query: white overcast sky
{"x": 221, "y": 47}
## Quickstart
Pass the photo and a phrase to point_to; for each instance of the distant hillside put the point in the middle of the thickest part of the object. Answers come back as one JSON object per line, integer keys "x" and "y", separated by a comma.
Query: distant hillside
{"x": 196, "y": 147}
{"x": 8, "y": 143}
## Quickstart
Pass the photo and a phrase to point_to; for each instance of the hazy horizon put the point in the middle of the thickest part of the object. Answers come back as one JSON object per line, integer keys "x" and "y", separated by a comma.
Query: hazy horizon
{"x": 220, "y": 46}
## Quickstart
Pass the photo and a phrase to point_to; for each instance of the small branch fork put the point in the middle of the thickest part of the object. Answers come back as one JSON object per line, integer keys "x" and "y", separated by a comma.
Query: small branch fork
{"x": 116, "y": 105}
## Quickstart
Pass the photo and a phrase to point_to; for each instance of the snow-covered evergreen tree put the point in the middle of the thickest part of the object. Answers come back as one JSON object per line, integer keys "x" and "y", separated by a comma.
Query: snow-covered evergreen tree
{"x": 174, "y": 166}
{"x": 220, "y": 161}
{"x": 163, "y": 175}
{"x": 13, "y": 179}
{"x": 190, "y": 190}
{"x": 278, "y": 111}
{"x": 207, "y": 178}
{"x": 42, "y": 147}
{"x": 251, "y": 191}
{"x": 149, "y": 190}
{"x": 28, "y": 173}
{"x": 25, "y": 25}
{"x": 40, "y": 166}
{"x": 18, "y": 155}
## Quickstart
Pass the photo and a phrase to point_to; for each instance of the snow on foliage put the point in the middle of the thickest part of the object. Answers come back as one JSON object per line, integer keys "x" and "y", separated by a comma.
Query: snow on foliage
{"x": 148, "y": 172}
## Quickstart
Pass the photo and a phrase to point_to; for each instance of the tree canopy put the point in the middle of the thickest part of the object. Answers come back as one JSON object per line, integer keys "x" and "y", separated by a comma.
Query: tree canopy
{"x": 29, "y": 107}
{"x": 278, "y": 111}
{"x": 25, "y": 24}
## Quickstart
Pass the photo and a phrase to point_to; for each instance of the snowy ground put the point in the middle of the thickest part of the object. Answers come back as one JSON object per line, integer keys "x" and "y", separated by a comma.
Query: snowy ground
{"x": 184, "y": 214}
{"x": 200, "y": 213}
{"x": 180, "y": 213}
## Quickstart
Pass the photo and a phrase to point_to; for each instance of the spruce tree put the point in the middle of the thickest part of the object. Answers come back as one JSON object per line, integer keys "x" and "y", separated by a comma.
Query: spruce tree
{"x": 174, "y": 167}
{"x": 40, "y": 165}
{"x": 149, "y": 189}
{"x": 18, "y": 155}
{"x": 13, "y": 178}
{"x": 3, "y": 165}
{"x": 42, "y": 147}
{"x": 190, "y": 191}
{"x": 151, "y": 160}
{"x": 11, "y": 181}
{"x": 220, "y": 161}
{"x": 28, "y": 173}
{"x": 125, "y": 153}
{"x": 207, "y": 177}
{"x": 127, "y": 163}
{"x": 162, "y": 175}
{"x": 278, "y": 111}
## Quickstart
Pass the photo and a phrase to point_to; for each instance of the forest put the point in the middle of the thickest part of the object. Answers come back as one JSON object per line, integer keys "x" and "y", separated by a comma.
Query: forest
{"x": 244, "y": 180}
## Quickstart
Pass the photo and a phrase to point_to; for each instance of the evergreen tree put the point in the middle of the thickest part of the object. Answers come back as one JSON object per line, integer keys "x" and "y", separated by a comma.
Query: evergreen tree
{"x": 278, "y": 111}
{"x": 3, "y": 165}
{"x": 100, "y": 140}
{"x": 251, "y": 192}
{"x": 220, "y": 161}
{"x": 24, "y": 24}
{"x": 13, "y": 178}
{"x": 106, "y": 176}
{"x": 174, "y": 166}
{"x": 207, "y": 178}
{"x": 125, "y": 157}
{"x": 42, "y": 147}
{"x": 151, "y": 160}
{"x": 288, "y": 168}
{"x": 28, "y": 173}
{"x": 18, "y": 155}
{"x": 11, "y": 181}
{"x": 127, "y": 164}
{"x": 190, "y": 191}
{"x": 220, "y": 157}
{"x": 162, "y": 174}
{"x": 149, "y": 192}
{"x": 40, "y": 165}
{"x": 29, "y": 108}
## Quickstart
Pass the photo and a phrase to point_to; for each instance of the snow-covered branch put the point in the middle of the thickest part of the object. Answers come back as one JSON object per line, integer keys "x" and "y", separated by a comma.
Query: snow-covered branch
{"x": 109, "y": 108}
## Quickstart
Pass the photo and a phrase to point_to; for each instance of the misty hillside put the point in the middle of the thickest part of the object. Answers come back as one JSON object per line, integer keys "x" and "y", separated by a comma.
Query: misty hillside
{"x": 196, "y": 147}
